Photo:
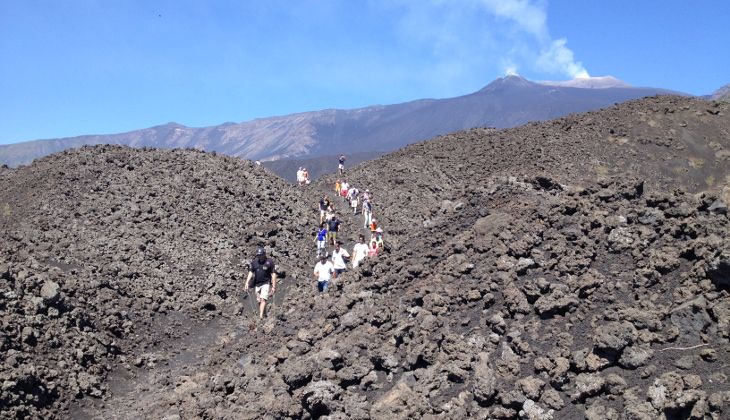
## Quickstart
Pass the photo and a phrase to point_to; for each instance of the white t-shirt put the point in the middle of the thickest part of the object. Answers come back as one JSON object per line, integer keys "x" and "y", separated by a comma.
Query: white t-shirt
{"x": 324, "y": 271}
{"x": 339, "y": 262}
{"x": 359, "y": 252}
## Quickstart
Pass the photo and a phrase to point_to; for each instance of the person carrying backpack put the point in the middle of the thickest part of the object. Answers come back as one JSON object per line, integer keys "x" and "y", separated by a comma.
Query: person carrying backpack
{"x": 263, "y": 273}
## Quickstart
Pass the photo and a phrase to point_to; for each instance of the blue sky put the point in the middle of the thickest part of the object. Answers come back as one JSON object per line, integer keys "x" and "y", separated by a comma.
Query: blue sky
{"x": 77, "y": 67}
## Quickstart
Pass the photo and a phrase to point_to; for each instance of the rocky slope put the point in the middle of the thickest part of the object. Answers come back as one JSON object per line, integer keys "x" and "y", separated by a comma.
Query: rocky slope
{"x": 107, "y": 251}
{"x": 668, "y": 141}
{"x": 522, "y": 279}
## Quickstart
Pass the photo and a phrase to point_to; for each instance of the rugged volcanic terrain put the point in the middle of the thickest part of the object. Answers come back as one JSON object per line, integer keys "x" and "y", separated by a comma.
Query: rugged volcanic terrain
{"x": 568, "y": 269}
{"x": 107, "y": 251}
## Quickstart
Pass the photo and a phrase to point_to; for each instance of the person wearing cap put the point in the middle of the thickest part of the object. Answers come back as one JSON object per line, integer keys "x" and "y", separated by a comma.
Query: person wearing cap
{"x": 373, "y": 225}
{"x": 263, "y": 273}
{"x": 324, "y": 272}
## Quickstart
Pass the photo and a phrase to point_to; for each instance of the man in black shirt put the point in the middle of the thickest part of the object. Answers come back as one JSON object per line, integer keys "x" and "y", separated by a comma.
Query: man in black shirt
{"x": 263, "y": 271}
{"x": 333, "y": 228}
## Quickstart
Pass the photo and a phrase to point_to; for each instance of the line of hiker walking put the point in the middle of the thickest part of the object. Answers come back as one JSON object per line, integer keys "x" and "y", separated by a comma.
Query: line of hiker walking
{"x": 330, "y": 266}
{"x": 262, "y": 269}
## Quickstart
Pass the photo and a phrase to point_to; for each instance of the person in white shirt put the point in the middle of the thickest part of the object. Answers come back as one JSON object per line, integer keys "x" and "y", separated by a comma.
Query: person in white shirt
{"x": 359, "y": 251}
{"x": 340, "y": 256}
{"x": 353, "y": 203}
{"x": 324, "y": 272}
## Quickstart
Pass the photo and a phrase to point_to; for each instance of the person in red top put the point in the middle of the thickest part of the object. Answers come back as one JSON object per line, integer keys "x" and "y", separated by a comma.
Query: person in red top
{"x": 373, "y": 250}
{"x": 373, "y": 226}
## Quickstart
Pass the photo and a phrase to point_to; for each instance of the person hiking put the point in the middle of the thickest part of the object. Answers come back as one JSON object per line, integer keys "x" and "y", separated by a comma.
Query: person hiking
{"x": 300, "y": 176}
{"x": 340, "y": 257}
{"x": 378, "y": 237}
{"x": 359, "y": 251}
{"x": 321, "y": 240}
{"x": 329, "y": 214}
{"x": 373, "y": 250}
{"x": 341, "y": 164}
{"x": 367, "y": 212}
{"x": 324, "y": 202}
{"x": 344, "y": 187}
{"x": 324, "y": 272}
{"x": 354, "y": 200}
{"x": 263, "y": 273}
{"x": 373, "y": 225}
{"x": 333, "y": 228}
{"x": 338, "y": 187}
{"x": 305, "y": 176}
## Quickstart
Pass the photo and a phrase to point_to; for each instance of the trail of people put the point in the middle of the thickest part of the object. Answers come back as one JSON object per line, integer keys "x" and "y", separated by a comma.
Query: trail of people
{"x": 165, "y": 379}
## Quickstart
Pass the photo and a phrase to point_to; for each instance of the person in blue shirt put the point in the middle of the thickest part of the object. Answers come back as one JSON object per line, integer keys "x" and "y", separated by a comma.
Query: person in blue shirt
{"x": 321, "y": 240}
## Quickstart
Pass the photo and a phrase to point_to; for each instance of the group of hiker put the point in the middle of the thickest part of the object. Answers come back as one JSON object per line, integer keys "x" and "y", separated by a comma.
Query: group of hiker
{"x": 262, "y": 270}
{"x": 330, "y": 266}
{"x": 302, "y": 176}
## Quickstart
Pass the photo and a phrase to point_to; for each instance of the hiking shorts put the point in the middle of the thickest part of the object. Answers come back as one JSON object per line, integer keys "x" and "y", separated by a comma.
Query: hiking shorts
{"x": 322, "y": 285}
{"x": 321, "y": 244}
{"x": 332, "y": 236}
{"x": 262, "y": 292}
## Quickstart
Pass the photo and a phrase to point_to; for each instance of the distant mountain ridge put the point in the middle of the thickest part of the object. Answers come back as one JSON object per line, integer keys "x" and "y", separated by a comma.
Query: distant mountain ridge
{"x": 506, "y": 102}
{"x": 722, "y": 94}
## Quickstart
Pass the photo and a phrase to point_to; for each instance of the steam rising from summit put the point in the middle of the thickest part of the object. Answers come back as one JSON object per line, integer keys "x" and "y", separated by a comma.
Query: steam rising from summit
{"x": 530, "y": 17}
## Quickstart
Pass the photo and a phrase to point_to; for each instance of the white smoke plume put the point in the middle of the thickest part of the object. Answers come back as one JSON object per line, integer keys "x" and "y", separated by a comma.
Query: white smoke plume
{"x": 531, "y": 18}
